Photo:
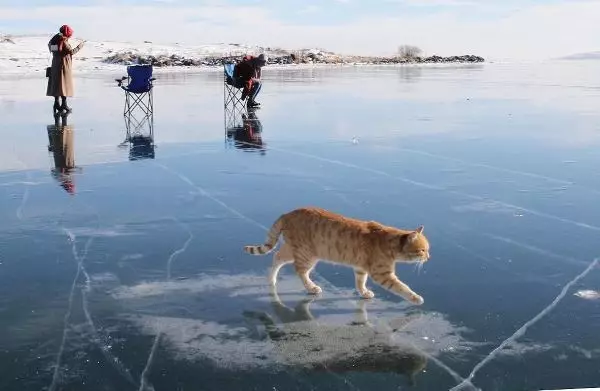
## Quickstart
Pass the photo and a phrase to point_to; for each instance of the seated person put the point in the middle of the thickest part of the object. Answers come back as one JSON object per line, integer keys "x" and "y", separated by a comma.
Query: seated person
{"x": 247, "y": 76}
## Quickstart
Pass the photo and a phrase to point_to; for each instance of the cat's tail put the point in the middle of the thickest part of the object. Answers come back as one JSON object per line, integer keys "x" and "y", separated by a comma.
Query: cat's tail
{"x": 271, "y": 241}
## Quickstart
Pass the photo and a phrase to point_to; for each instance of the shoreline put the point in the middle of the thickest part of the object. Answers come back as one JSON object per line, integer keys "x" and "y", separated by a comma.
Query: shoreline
{"x": 28, "y": 57}
{"x": 121, "y": 70}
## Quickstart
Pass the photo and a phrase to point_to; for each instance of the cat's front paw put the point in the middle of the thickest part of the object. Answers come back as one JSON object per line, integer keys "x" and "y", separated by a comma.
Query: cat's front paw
{"x": 367, "y": 294}
{"x": 416, "y": 299}
{"x": 315, "y": 290}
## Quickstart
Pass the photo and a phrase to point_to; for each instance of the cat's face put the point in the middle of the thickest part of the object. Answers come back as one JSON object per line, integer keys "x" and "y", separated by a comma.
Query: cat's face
{"x": 416, "y": 248}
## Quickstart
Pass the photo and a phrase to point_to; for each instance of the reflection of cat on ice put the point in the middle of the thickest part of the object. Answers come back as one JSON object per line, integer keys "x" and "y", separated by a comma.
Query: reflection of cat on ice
{"x": 60, "y": 138}
{"x": 306, "y": 344}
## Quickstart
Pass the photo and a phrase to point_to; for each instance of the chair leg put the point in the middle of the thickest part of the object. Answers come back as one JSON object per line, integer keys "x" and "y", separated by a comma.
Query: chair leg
{"x": 144, "y": 102}
{"x": 128, "y": 125}
{"x": 135, "y": 105}
{"x": 233, "y": 108}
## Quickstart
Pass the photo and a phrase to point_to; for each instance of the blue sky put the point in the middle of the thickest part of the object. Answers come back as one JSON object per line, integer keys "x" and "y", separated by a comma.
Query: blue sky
{"x": 496, "y": 28}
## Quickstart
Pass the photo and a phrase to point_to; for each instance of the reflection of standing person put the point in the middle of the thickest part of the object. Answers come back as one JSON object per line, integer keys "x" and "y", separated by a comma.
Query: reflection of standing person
{"x": 60, "y": 79}
{"x": 247, "y": 75}
{"x": 61, "y": 145}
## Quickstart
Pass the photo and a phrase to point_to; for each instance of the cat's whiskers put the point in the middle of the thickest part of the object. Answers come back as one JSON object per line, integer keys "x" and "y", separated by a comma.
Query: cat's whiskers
{"x": 420, "y": 265}
{"x": 417, "y": 267}
{"x": 418, "y": 262}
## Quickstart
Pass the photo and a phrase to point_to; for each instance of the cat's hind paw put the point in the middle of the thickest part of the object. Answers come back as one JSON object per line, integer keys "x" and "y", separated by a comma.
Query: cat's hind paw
{"x": 315, "y": 290}
{"x": 367, "y": 294}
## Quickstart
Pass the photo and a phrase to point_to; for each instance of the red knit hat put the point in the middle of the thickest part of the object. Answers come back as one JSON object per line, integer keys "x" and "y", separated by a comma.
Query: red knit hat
{"x": 66, "y": 31}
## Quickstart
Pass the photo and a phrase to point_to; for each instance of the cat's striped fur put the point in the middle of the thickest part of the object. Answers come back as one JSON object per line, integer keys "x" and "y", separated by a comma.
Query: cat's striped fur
{"x": 372, "y": 249}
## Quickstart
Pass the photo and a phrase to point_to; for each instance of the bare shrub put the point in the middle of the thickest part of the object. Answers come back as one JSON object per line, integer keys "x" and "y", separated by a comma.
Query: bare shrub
{"x": 409, "y": 51}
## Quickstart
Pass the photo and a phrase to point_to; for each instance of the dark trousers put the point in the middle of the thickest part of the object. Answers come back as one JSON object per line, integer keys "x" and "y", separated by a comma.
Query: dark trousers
{"x": 256, "y": 86}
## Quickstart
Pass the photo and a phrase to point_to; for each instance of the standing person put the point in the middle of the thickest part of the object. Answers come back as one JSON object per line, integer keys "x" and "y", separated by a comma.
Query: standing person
{"x": 60, "y": 79}
{"x": 247, "y": 76}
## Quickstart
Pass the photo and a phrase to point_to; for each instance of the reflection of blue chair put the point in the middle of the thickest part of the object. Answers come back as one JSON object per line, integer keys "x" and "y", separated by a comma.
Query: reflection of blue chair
{"x": 139, "y": 127}
{"x": 234, "y": 105}
{"x": 141, "y": 147}
{"x": 138, "y": 90}
{"x": 140, "y": 137}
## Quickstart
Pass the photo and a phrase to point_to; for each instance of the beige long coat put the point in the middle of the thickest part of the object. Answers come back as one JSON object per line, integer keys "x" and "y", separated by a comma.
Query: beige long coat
{"x": 60, "y": 82}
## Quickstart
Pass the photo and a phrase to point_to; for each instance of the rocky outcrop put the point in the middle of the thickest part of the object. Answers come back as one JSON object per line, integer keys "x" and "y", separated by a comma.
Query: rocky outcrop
{"x": 6, "y": 39}
{"x": 128, "y": 58}
{"x": 299, "y": 57}
{"x": 459, "y": 59}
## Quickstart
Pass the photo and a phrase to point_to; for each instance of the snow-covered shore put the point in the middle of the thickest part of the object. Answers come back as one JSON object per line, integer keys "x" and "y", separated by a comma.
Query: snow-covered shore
{"x": 29, "y": 56}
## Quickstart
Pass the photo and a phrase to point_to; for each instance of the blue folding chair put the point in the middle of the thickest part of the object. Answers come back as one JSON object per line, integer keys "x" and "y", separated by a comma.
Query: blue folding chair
{"x": 233, "y": 90}
{"x": 138, "y": 90}
{"x": 233, "y": 104}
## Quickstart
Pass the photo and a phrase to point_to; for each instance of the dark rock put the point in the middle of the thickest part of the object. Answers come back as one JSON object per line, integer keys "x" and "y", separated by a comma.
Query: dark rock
{"x": 320, "y": 57}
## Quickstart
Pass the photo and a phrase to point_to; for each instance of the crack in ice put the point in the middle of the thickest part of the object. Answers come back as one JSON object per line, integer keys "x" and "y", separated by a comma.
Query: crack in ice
{"x": 488, "y": 166}
{"x": 523, "y": 329}
{"x": 332, "y": 287}
{"x": 248, "y": 219}
{"x": 144, "y": 383}
{"x": 79, "y": 260}
{"x": 438, "y": 188}
{"x": 25, "y": 198}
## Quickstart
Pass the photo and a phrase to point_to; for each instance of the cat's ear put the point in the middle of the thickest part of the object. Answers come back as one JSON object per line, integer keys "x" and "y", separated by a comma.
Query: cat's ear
{"x": 420, "y": 229}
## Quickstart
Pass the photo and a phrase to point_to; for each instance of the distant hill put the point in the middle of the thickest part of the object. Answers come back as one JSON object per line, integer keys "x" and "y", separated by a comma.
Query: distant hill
{"x": 583, "y": 56}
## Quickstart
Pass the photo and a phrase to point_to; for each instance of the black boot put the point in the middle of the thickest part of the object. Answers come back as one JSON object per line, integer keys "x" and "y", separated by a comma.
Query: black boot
{"x": 64, "y": 106}
{"x": 253, "y": 104}
{"x": 56, "y": 106}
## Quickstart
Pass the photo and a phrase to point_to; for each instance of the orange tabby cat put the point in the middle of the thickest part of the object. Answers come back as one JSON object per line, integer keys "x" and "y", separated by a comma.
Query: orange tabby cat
{"x": 370, "y": 248}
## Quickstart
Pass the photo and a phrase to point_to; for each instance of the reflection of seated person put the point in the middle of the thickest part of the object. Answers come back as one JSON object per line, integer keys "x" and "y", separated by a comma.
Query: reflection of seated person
{"x": 249, "y": 135}
{"x": 247, "y": 76}
{"x": 60, "y": 136}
